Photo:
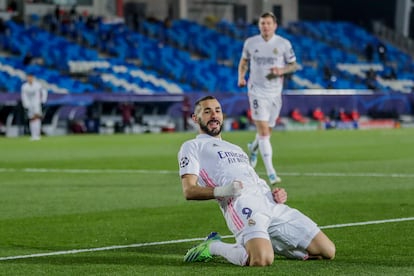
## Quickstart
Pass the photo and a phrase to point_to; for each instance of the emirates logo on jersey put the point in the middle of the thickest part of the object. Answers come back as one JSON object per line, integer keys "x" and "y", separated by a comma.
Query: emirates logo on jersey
{"x": 184, "y": 162}
{"x": 275, "y": 51}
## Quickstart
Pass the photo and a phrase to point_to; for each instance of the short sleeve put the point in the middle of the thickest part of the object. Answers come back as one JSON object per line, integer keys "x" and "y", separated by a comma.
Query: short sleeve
{"x": 245, "y": 51}
{"x": 188, "y": 160}
{"x": 289, "y": 54}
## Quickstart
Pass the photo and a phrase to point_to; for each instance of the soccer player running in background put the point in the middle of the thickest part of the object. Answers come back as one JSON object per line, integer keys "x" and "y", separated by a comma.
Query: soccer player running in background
{"x": 212, "y": 168}
{"x": 33, "y": 96}
{"x": 267, "y": 57}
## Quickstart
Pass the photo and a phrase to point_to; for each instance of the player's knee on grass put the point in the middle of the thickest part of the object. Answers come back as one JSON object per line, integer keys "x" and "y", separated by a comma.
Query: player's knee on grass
{"x": 265, "y": 259}
{"x": 322, "y": 246}
{"x": 260, "y": 252}
{"x": 329, "y": 251}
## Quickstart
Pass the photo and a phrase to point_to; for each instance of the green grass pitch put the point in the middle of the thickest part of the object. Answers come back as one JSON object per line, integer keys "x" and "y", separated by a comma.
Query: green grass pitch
{"x": 118, "y": 200}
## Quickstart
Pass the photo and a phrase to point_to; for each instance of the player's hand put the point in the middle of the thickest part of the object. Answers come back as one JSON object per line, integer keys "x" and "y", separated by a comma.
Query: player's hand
{"x": 277, "y": 71}
{"x": 242, "y": 83}
{"x": 229, "y": 190}
{"x": 279, "y": 195}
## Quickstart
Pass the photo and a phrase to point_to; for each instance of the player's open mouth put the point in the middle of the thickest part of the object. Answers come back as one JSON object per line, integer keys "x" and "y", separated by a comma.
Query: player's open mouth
{"x": 214, "y": 123}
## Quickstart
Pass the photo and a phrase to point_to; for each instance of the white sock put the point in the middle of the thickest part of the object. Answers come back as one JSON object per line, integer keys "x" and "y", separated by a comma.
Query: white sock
{"x": 234, "y": 253}
{"x": 32, "y": 126}
{"x": 37, "y": 127}
{"x": 267, "y": 153}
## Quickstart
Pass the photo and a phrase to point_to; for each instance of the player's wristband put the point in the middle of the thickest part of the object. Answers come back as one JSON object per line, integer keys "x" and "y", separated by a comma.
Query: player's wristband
{"x": 232, "y": 189}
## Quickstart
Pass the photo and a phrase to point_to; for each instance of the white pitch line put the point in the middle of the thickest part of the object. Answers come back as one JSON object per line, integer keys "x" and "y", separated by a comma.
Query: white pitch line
{"x": 396, "y": 175}
{"x": 75, "y": 251}
{"x": 80, "y": 171}
{"x": 366, "y": 223}
{"x": 112, "y": 171}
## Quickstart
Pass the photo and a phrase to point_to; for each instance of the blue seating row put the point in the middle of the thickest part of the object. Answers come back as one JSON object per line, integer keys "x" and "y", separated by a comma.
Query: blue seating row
{"x": 185, "y": 56}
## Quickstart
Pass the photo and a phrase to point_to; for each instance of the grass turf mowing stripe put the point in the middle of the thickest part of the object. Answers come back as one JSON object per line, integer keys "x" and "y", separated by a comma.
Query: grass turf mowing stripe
{"x": 75, "y": 251}
{"x": 316, "y": 174}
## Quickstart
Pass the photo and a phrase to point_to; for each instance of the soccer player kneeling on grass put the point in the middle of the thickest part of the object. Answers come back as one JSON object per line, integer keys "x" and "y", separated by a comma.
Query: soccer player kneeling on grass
{"x": 212, "y": 168}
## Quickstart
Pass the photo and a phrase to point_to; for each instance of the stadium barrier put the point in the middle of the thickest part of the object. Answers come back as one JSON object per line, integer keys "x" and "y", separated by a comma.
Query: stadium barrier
{"x": 167, "y": 109}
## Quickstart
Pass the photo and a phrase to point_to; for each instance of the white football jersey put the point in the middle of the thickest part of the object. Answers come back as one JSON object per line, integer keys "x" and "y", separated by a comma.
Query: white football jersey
{"x": 254, "y": 213}
{"x": 264, "y": 55}
{"x": 33, "y": 95}
{"x": 217, "y": 163}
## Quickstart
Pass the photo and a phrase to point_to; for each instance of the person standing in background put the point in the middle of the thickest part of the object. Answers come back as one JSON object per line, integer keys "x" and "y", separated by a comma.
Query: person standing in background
{"x": 33, "y": 96}
{"x": 127, "y": 111}
{"x": 186, "y": 111}
{"x": 270, "y": 58}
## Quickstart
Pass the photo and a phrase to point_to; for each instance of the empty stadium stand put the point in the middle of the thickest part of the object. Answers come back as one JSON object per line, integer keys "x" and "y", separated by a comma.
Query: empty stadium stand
{"x": 186, "y": 58}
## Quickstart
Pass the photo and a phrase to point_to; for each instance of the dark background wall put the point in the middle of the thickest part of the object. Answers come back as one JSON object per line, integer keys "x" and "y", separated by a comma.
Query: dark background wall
{"x": 361, "y": 12}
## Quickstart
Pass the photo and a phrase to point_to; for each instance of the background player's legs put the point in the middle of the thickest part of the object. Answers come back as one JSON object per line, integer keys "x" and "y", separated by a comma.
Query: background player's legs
{"x": 253, "y": 149}
{"x": 266, "y": 151}
{"x": 35, "y": 127}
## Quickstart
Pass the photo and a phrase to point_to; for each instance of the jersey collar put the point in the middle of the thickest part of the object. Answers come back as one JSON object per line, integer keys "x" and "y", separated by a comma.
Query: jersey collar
{"x": 204, "y": 136}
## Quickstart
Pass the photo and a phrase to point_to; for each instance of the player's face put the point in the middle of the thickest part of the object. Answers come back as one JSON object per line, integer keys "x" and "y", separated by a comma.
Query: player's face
{"x": 267, "y": 26}
{"x": 210, "y": 117}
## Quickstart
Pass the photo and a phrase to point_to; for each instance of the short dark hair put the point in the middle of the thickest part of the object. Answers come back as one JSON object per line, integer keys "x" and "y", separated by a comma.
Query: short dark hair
{"x": 205, "y": 98}
{"x": 269, "y": 14}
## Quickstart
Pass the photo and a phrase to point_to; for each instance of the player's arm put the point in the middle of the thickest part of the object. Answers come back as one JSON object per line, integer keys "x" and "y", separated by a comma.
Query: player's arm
{"x": 44, "y": 94}
{"x": 290, "y": 68}
{"x": 287, "y": 69}
{"x": 192, "y": 191}
{"x": 242, "y": 70}
{"x": 24, "y": 99}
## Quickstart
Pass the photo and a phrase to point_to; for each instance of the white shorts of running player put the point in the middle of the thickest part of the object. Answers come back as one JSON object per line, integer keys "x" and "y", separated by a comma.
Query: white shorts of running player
{"x": 265, "y": 108}
{"x": 33, "y": 110}
{"x": 289, "y": 230}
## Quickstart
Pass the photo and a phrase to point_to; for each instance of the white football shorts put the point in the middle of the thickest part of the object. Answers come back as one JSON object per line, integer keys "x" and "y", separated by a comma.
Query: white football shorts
{"x": 33, "y": 110}
{"x": 289, "y": 230}
{"x": 265, "y": 107}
